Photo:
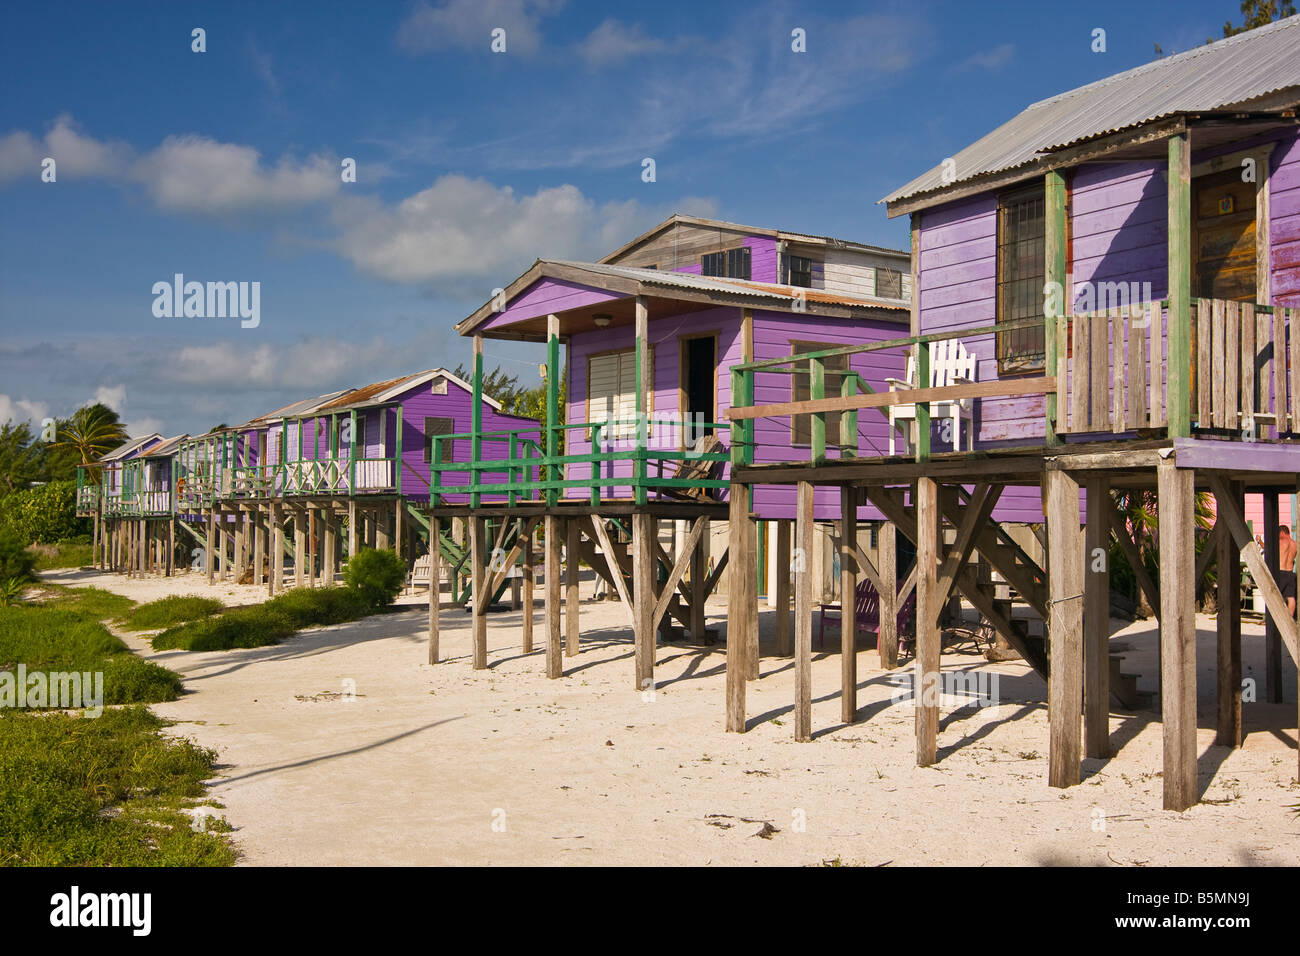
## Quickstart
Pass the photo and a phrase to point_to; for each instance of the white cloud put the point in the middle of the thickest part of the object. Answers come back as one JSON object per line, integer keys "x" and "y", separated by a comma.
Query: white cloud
{"x": 309, "y": 364}
{"x": 468, "y": 24}
{"x": 138, "y": 427}
{"x": 75, "y": 154}
{"x": 615, "y": 42}
{"x": 992, "y": 59}
{"x": 197, "y": 174}
{"x": 114, "y": 396}
{"x": 469, "y": 229}
{"x": 22, "y": 410}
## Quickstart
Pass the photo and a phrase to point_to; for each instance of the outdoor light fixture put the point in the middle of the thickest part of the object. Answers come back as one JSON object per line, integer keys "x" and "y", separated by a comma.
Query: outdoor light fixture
{"x": 601, "y": 319}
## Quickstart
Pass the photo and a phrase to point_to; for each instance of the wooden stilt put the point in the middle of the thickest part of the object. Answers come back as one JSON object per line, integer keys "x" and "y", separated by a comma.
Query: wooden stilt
{"x": 1229, "y": 732}
{"x": 848, "y": 603}
{"x": 803, "y": 610}
{"x": 571, "y": 602}
{"x": 1177, "y": 632}
{"x": 171, "y": 546}
{"x": 1272, "y": 635}
{"x": 276, "y": 584}
{"x": 742, "y": 602}
{"x": 643, "y": 598}
{"x": 1064, "y": 629}
{"x": 329, "y": 547}
{"x": 241, "y": 523}
{"x": 311, "y": 547}
{"x": 478, "y": 571}
{"x": 435, "y": 588}
{"x": 784, "y": 634}
{"x": 926, "y": 683}
{"x": 554, "y": 651}
{"x": 1096, "y": 622}
{"x": 299, "y": 547}
{"x": 354, "y": 536}
{"x": 887, "y": 565}
{"x": 210, "y": 551}
{"x": 699, "y": 575}
{"x": 529, "y": 572}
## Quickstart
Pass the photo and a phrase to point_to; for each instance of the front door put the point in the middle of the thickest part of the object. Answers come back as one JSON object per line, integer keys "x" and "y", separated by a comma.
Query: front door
{"x": 1223, "y": 237}
{"x": 699, "y": 385}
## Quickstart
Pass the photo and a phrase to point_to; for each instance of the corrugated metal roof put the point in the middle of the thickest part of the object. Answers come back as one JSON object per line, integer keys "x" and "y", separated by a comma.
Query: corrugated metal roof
{"x": 698, "y": 283}
{"x": 165, "y": 448}
{"x": 297, "y": 408}
{"x": 130, "y": 447}
{"x": 1214, "y": 77}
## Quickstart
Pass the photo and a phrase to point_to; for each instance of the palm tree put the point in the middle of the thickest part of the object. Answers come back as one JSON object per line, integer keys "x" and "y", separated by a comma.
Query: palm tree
{"x": 92, "y": 432}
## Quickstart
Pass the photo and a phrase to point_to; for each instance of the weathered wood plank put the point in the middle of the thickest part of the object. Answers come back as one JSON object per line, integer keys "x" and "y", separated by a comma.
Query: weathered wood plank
{"x": 1204, "y": 364}
{"x": 1178, "y": 633}
{"x": 1248, "y": 389}
{"x": 1118, "y": 422}
{"x": 887, "y": 558}
{"x": 643, "y": 598}
{"x": 1231, "y": 365}
{"x": 784, "y": 634}
{"x": 1155, "y": 328}
{"x": 1064, "y": 629}
{"x": 803, "y": 611}
{"x": 926, "y": 684}
{"x": 848, "y": 604}
{"x": 1081, "y": 366}
{"x": 478, "y": 575}
{"x": 1096, "y": 622}
{"x": 1279, "y": 402}
{"x": 997, "y": 388}
{"x": 1293, "y": 323}
{"x": 1100, "y": 360}
{"x": 529, "y": 571}
{"x": 1218, "y": 414}
{"x": 1137, "y": 374}
{"x": 572, "y": 603}
{"x": 1063, "y": 367}
{"x": 742, "y": 610}
{"x": 554, "y": 647}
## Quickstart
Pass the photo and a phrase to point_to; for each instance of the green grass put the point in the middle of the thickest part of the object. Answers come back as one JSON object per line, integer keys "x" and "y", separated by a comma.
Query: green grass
{"x": 170, "y": 611}
{"x": 94, "y": 602}
{"x": 106, "y": 791}
{"x": 65, "y": 554}
{"x": 54, "y": 638}
{"x": 267, "y": 623}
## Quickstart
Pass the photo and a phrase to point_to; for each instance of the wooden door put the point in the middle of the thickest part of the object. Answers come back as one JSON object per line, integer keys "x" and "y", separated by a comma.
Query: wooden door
{"x": 1223, "y": 237}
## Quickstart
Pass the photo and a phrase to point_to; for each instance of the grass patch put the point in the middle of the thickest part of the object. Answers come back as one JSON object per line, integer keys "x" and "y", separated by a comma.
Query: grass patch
{"x": 94, "y": 602}
{"x": 107, "y": 791}
{"x": 170, "y": 611}
{"x": 65, "y": 554}
{"x": 267, "y": 623}
{"x": 63, "y": 638}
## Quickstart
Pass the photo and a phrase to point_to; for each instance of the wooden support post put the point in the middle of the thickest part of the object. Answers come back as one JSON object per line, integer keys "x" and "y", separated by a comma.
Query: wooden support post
{"x": 805, "y": 525}
{"x": 1179, "y": 232}
{"x": 209, "y": 551}
{"x": 742, "y": 602}
{"x": 329, "y": 547}
{"x": 643, "y": 598}
{"x": 1064, "y": 629}
{"x": 299, "y": 547}
{"x": 887, "y": 565}
{"x": 571, "y": 602}
{"x": 1176, "y": 507}
{"x": 699, "y": 592}
{"x": 399, "y": 519}
{"x": 1272, "y": 634}
{"x": 311, "y": 547}
{"x": 784, "y": 634}
{"x": 529, "y": 571}
{"x": 478, "y": 570}
{"x": 171, "y": 546}
{"x": 241, "y": 524}
{"x": 554, "y": 658}
{"x": 1228, "y": 627}
{"x": 435, "y": 588}
{"x": 1096, "y": 622}
{"x": 259, "y": 545}
{"x": 354, "y": 537}
{"x": 644, "y": 391}
{"x": 275, "y": 540}
{"x": 1055, "y": 232}
{"x": 926, "y": 684}
{"x": 848, "y": 602}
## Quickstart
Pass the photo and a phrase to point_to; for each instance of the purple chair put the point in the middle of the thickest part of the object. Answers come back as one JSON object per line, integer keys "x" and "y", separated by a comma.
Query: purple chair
{"x": 866, "y": 607}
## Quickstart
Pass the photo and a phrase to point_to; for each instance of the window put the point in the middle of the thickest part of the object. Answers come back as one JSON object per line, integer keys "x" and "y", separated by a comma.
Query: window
{"x": 798, "y": 271}
{"x": 359, "y": 438}
{"x": 889, "y": 283}
{"x": 611, "y": 391}
{"x": 801, "y": 391}
{"x": 439, "y": 426}
{"x": 732, "y": 264}
{"x": 1021, "y": 267}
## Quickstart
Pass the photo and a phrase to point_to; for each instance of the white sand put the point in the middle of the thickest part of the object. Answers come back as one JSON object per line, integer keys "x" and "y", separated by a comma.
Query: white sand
{"x": 417, "y": 766}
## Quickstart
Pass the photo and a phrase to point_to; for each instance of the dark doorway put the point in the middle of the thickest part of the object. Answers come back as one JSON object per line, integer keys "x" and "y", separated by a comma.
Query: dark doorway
{"x": 699, "y": 383}
{"x": 1223, "y": 237}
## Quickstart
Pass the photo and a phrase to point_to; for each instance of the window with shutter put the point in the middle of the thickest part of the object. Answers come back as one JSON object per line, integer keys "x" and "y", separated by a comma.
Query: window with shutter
{"x": 439, "y": 426}
{"x": 611, "y": 391}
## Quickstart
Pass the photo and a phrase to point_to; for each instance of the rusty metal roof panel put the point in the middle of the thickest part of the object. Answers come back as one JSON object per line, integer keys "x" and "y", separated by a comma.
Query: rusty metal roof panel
{"x": 1224, "y": 74}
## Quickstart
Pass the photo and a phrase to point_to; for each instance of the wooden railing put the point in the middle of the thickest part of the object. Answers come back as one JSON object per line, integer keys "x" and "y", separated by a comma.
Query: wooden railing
{"x": 1243, "y": 366}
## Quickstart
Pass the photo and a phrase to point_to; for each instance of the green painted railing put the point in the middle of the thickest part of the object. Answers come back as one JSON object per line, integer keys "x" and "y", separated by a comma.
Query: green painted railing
{"x": 526, "y": 472}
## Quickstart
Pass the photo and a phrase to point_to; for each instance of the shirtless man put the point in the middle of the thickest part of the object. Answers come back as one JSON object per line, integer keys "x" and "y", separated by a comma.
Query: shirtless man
{"x": 1286, "y": 564}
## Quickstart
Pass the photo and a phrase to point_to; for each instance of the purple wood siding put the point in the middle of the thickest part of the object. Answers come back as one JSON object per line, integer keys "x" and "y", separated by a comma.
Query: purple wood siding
{"x": 1284, "y": 213}
{"x": 546, "y": 296}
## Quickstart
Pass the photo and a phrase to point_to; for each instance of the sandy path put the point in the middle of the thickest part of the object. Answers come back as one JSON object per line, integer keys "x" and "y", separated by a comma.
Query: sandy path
{"x": 420, "y": 763}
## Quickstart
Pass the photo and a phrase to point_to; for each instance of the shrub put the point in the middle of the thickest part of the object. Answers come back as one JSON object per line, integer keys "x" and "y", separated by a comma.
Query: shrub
{"x": 267, "y": 623}
{"x": 15, "y": 560}
{"x": 66, "y": 554}
{"x": 377, "y": 575}
{"x": 44, "y": 514}
{"x": 170, "y": 611}
{"x": 318, "y": 607}
{"x": 102, "y": 792}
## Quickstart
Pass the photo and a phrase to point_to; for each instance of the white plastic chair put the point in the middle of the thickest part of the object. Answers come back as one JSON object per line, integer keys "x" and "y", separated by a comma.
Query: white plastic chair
{"x": 950, "y": 364}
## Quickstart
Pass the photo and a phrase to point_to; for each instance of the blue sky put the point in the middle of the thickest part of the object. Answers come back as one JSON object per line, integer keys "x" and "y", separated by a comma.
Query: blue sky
{"x": 225, "y": 165}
